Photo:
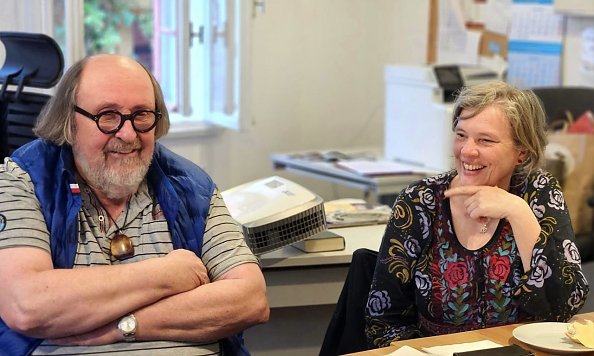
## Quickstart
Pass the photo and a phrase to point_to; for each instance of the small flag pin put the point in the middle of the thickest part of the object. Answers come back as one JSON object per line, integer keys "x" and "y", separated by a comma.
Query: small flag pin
{"x": 74, "y": 189}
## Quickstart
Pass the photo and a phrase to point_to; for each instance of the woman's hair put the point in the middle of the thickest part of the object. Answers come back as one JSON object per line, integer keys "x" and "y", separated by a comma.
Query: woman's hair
{"x": 56, "y": 120}
{"x": 523, "y": 110}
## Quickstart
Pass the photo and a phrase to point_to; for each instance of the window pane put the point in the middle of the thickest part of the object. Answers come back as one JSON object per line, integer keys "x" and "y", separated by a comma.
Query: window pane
{"x": 112, "y": 26}
{"x": 59, "y": 24}
{"x": 166, "y": 54}
{"x": 168, "y": 13}
{"x": 169, "y": 70}
{"x": 220, "y": 61}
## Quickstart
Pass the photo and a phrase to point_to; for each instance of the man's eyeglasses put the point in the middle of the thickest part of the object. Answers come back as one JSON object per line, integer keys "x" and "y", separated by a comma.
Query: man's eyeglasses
{"x": 111, "y": 121}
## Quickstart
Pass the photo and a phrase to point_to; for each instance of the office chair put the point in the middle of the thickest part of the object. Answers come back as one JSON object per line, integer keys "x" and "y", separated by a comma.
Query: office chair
{"x": 557, "y": 103}
{"x": 32, "y": 61}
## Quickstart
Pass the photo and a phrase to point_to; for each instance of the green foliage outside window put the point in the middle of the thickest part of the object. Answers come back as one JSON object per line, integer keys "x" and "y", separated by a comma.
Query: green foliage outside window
{"x": 104, "y": 20}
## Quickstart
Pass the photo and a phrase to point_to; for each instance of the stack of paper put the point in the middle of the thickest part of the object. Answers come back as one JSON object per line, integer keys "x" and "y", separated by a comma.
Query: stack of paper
{"x": 355, "y": 212}
{"x": 446, "y": 350}
{"x": 379, "y": 168}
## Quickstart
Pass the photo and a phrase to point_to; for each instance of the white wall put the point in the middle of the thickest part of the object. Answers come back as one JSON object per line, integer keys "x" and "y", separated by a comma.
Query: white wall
{"x": 578, "y": 64}
{"x": 317, "y": 83}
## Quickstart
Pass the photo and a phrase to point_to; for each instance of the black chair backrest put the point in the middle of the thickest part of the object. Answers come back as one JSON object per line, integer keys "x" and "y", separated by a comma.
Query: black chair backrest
{"x": 32, "y": 60}
{"x": 558, "y": 100}
{"x": 346, "y": 330}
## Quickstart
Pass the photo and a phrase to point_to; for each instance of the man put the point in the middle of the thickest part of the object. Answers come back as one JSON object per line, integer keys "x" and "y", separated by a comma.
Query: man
{"x": 170, "y": 271}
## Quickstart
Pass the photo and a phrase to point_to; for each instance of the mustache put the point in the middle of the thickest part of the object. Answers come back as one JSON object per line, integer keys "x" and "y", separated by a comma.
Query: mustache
{"x": 117, "y": 145}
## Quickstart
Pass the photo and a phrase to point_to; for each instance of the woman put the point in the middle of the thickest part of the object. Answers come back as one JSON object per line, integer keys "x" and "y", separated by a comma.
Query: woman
{"x": 486, "y": 244}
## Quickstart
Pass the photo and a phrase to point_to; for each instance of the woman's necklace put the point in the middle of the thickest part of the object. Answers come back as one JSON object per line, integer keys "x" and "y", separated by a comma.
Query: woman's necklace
{"x": 485, "y": 226}
{"x": 121, "y": 246}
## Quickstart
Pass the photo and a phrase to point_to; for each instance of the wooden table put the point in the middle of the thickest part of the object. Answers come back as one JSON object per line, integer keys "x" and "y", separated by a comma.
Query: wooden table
{"x": 501, "y": 335}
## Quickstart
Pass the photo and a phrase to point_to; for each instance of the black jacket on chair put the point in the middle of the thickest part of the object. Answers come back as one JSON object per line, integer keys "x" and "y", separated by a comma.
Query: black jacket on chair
{"x": 346, "y": 331}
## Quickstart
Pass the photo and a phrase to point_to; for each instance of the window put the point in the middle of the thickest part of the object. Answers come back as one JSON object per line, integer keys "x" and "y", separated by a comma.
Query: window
{"x": 197, "y": 49}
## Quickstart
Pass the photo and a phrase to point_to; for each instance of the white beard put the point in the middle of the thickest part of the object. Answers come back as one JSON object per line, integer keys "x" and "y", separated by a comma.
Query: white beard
{"x": 117, "y": 180}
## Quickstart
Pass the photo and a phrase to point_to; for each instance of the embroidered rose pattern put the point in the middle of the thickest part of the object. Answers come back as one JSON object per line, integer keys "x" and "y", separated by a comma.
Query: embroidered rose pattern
{"x": 423, "y": 283}
{"x": 499, "y": 268}
{"x": 540, "y": 271}
{"x": 556, "y": 200}
{"x": 538, "y": 210}
{"x": 427, "y": 198}
{"x": 456, "y": 274}
{"x": 412, "y": 247}
{"x": 571, "y": 251}
{"x": 378, "y": 302}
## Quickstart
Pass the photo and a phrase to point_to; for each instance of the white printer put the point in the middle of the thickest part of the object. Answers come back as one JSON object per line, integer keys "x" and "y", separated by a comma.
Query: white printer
{"x": 418, "y": 112}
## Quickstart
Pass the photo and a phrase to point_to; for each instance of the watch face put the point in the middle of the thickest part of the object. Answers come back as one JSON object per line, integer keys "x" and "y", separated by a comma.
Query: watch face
{"x": 127, "y": 324}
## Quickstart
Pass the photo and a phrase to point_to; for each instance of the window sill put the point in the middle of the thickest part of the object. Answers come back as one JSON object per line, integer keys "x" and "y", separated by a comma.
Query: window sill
{"x": 186, "y": 129}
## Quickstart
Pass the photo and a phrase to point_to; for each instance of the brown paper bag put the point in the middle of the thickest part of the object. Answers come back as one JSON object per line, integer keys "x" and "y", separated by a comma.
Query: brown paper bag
{"x": 578, "y": 181}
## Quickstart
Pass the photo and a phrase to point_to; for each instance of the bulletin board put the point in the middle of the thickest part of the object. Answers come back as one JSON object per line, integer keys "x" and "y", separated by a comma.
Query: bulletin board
{"x": 491, "y": 42}
{"x": 433, "y": 28}
{"x": 526, "y": 37}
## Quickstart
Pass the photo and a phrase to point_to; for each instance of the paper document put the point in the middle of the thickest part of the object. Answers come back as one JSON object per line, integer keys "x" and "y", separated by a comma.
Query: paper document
{"x": 455, "y": 43}
{"x": 355, "y": 212}
{"x": 407, "y": 351}
{"x": 379, "y": 168}
{"x": 449, "y": 350}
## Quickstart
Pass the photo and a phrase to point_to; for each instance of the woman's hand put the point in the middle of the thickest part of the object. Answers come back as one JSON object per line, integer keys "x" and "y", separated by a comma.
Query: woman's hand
{"x": 493, "y": 202}
{"x": 483, "y": 201}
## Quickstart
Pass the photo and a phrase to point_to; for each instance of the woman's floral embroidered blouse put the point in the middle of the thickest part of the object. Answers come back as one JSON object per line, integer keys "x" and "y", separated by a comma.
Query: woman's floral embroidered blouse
{"x": 427, "y": 283}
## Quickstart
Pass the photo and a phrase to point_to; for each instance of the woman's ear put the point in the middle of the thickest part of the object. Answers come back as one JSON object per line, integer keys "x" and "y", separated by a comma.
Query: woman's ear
{"x": 522, "y": 156}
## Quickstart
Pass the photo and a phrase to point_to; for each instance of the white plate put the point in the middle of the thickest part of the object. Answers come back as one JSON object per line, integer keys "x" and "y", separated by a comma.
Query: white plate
{"x": 548, "y": 337}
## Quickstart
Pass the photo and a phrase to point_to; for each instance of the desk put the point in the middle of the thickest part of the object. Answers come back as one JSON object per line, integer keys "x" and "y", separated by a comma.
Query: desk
{"x": 320, "y": 275}
{"x": 373, "y": 187}
{"x": 501, "y": 335}
{"x": 302, "y": 290}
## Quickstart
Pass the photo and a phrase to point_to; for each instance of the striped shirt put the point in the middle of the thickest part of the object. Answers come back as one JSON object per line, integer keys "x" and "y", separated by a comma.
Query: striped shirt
{"x": 22, "y": 224}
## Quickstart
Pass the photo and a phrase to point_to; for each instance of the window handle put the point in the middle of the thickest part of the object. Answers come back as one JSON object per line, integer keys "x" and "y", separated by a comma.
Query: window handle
{"x": 199, "y": 35}
{"x": 259, "y": 7}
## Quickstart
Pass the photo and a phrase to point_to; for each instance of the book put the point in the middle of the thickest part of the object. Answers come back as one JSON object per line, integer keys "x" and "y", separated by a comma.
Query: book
{"x": 321, "y": 242}
{"x": 511, "y": 350}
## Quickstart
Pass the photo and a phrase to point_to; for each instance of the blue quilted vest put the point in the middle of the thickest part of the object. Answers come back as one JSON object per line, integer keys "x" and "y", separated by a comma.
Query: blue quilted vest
{"x": 182, "y": 189}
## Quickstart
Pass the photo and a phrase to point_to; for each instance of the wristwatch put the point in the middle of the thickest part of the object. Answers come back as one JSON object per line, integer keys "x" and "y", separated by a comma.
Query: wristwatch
{"x": 127, "y": 325}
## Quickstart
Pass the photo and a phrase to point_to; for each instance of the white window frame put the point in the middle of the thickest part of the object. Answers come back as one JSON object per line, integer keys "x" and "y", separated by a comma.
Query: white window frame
{"x": 236, "y": 113}
{"x": 191, "y": 78}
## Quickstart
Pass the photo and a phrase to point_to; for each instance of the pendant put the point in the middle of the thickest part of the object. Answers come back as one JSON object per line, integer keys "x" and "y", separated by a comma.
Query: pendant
{"x": 483, "y": 229}
{"x": 121, "y": 247}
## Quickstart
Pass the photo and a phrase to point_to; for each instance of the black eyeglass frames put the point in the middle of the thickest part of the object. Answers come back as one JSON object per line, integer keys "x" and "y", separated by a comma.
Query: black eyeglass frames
{"x": 111, "y": 121}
